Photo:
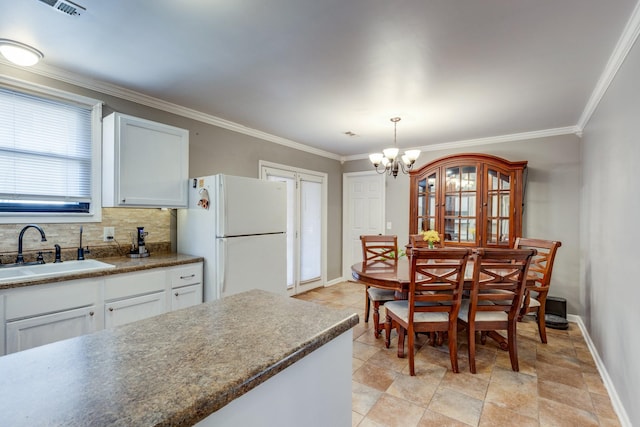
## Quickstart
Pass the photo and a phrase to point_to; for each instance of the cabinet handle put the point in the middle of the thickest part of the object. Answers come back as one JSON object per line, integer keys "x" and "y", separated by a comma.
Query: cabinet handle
{"x": 187, "y": 277}
{"x": 110, "y": 308}
{"x": 176, "y": 294}
{"x": 91, "y": 313}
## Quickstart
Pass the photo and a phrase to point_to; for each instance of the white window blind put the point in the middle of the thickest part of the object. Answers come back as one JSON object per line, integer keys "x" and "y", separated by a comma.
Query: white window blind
{"x": 45, "y": 150}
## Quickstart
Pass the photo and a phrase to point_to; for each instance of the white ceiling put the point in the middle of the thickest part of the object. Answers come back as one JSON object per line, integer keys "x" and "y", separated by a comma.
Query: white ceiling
{"x": 308, "y": 71}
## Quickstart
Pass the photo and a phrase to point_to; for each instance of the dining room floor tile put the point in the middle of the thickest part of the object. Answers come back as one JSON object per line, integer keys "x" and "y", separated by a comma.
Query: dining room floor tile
{"x": 558, "y": 383}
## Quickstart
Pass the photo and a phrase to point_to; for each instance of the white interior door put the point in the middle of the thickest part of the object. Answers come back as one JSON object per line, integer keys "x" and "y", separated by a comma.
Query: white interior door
{"x": 306, "y": 226}
{"x": 363, "y": 213}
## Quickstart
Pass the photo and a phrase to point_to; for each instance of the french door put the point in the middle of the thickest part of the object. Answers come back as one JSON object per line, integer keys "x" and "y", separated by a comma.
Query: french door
{"x": 306, "y": 230}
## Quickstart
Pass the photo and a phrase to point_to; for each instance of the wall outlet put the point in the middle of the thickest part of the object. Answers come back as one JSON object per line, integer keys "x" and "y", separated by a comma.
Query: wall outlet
{"x": 109, "y": 234}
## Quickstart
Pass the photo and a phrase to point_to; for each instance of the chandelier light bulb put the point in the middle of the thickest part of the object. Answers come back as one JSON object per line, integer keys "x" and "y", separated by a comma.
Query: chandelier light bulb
{"x": 390, "y": 153}
{"x": 412, "y": 155}
{"x": 376, "y": 158}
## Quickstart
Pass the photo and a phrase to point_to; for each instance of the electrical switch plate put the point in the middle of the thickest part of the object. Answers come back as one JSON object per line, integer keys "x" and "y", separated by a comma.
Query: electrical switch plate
{"x": 388, "y": 225}
{"x": 109, "y": 234}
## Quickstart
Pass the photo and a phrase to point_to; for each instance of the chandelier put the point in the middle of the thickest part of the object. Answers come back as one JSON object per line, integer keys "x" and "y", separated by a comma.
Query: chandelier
{"x": 388, "y": 161}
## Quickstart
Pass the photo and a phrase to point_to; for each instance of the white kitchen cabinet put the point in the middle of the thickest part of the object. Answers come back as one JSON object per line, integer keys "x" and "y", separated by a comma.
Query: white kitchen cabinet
{"x": 186, "y": 296}
{"x": 186, "y": 286}
{"x": 36, "y": 315}
{"x": 40, "y": 330}
{"x": 134, "y": 296}
{"x": 127, "y": 285}
{"x": 2, "y": 330}
{"x": 145, "y": 164}
{"x": 132, "y": 309}
{"x": 44, "y": 314}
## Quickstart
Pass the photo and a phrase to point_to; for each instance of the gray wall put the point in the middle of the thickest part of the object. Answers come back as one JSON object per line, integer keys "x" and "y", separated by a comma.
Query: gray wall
{"x": 216, "y": 150}
{"x": 610, "y": 234}
{"x": 551, "y": 201}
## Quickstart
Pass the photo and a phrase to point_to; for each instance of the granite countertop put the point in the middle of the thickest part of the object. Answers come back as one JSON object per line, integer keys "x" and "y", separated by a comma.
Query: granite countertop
{"x": 173, "y": 369}
{"x": 122, "y": 265}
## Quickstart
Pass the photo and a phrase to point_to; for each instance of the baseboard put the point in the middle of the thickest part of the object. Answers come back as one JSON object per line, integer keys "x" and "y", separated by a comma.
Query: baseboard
{"x": 334, "y": 281}
{"x": 613, "y": 395}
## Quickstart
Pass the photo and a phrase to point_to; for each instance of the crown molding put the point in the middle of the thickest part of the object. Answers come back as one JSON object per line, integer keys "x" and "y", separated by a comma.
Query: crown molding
{"x": 149, "y": 101}
{"x": 624, "y": 45}
{"x": 568, "y": 130}
{"x": 620, "y": 52}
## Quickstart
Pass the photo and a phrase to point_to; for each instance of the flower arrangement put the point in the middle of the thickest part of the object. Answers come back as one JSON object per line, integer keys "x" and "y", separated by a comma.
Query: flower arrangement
{"x": 431, "y": 237}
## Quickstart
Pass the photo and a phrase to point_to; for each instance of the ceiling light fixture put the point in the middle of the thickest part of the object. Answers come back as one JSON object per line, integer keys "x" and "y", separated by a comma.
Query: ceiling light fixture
{"x": 20, "y": 53}
{"x": 388, "y": 159}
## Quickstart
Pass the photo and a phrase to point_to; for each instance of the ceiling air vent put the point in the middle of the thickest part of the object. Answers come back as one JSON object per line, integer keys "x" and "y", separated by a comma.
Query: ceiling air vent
{"x": 65, "y": 6}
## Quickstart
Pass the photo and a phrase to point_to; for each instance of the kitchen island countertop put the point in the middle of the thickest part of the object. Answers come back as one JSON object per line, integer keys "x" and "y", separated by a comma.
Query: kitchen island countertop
{"x": 173, "y": 369}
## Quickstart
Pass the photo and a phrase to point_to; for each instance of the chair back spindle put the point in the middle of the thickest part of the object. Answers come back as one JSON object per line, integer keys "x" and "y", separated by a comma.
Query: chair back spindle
{"x": 379, "y": 252}
{"x": 540, "y": 274}
{"x": 499, "y": 277}
{"x": 435, "y": 291}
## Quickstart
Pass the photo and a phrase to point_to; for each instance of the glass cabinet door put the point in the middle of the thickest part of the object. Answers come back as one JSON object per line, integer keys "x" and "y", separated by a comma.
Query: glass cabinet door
{"x": 461, "y": 184}
{"x": 472, "y": 199}
{"x": 427, "y": 203}
{"x": 498, "y": 208}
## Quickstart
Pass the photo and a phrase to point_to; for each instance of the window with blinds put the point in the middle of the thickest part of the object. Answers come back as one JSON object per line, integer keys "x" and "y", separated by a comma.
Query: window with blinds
{"x": 45, "y": 154}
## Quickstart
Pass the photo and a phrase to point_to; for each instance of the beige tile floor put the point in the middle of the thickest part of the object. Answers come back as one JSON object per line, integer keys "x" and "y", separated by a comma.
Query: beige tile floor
{"x": 558, "y": 383}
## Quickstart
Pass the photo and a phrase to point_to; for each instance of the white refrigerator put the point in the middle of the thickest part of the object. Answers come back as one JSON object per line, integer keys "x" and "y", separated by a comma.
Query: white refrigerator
{"x": 238, "y": 225}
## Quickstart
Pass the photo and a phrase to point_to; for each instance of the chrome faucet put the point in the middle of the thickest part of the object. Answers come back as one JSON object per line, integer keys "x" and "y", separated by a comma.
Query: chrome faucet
{"x": 20, "y": 258}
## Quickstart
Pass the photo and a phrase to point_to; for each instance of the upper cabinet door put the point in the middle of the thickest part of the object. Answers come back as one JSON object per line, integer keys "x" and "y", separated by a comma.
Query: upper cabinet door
{"x": 499, "y": 207}
{"x": 427, "y": 202}
{"x": 461, "y": 203}
{"x": 145, "y": 164}
{"x": 472, "y": 199}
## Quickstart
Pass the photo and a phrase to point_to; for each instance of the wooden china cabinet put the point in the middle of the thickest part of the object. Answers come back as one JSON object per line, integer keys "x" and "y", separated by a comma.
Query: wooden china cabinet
{"x": 473, "y": 200}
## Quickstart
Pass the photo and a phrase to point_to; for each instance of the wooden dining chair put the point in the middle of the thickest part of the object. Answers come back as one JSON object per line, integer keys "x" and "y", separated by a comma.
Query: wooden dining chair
{"x": 495, "y": 299}
{"x": 435, "y": 291}
{"x": 377, "y": 250}
{"x": 537, "y": 289}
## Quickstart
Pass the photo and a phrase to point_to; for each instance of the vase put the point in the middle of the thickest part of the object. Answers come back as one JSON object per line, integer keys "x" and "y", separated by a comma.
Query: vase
{"x": 431, "y": 245}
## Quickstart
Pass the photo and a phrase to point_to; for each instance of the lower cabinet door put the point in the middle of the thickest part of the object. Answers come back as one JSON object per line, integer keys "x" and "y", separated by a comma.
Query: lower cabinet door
{"x": 40, "y": 330}
{"x": 129, "y": 310}
{"x": 186, "y": 296}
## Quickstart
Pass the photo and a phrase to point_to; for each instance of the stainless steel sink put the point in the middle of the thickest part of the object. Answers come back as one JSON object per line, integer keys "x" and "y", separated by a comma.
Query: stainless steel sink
{"x": 8, "y": 274}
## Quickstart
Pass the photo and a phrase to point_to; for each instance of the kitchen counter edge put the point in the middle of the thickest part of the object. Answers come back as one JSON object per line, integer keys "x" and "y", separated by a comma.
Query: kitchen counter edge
{"x": 174, "y": 369}
{"x": 122, "y": 265}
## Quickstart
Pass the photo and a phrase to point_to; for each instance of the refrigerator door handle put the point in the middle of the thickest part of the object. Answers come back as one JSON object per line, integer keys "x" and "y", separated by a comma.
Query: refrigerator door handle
{"x": 221, "y": 206}
{"x": 221, "y": 266}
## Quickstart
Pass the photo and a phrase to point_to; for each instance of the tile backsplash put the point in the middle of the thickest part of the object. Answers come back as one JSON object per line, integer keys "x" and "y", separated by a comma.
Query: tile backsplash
{"x": 157, "y": 222}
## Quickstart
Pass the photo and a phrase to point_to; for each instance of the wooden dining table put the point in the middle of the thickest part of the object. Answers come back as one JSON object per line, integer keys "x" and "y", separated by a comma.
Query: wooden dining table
{"x": 395, "y": 275}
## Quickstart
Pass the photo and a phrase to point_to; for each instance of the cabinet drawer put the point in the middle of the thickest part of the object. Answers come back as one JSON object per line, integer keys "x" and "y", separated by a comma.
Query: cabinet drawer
{"x": 123, "y": 286}
{"x": 132, "y": 309}
{"x": 51, "y": 298}
{"x": 186, "y": 296}
{"x": 187, "y": 275}
{"x": 40, "y": 330}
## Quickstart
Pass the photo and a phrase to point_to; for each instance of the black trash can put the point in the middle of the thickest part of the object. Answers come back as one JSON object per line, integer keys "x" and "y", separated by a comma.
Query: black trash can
{"x": 555, "y": 315}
